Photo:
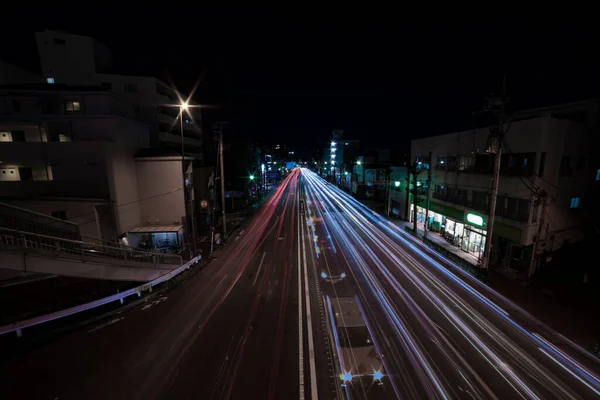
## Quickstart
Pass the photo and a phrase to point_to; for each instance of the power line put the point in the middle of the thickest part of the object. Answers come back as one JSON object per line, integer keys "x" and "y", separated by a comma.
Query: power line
{"x": 126, "y": 204}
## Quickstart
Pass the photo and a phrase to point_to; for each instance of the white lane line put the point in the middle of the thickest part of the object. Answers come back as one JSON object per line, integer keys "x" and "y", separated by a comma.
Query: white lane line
{"x": 311, "y": 344}
{"x": 300, "y": 325}
{"x": 259, "y": 267}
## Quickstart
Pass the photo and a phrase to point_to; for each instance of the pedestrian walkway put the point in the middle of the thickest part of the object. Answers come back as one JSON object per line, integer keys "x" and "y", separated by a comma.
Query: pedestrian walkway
{"x": 438, "y": 240}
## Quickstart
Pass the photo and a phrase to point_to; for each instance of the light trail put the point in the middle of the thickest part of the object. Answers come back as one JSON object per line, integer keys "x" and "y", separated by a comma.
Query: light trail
{"x": 471, "y": 318}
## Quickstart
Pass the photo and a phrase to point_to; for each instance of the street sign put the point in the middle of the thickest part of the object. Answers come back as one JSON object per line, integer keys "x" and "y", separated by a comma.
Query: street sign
{"x": 204, "y": 204}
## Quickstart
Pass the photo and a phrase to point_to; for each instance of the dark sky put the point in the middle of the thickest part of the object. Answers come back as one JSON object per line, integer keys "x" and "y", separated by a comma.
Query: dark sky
{"x": 297, "y": 74}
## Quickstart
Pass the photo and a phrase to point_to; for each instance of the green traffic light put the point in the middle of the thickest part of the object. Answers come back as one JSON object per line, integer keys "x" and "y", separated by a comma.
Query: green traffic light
{"x": 397, "y": 183}
{"x": 251, "y": 177}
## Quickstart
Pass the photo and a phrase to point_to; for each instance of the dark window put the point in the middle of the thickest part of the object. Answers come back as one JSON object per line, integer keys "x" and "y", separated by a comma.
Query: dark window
{"x": 25, "y": 173}
{"x": 484, "y": 163}
{"x": 565, "y": 167}
{"x": 500, "y": 206}
{"x": 581, "y": 163}
{"x": 59, "y": 41}
{"x": 106, "y": 85}
{"x": 59, "y": 214}
{"x": 18, "y": 136}
{"x": 72, "y": 106}
{"x": 16, "y": 105}
{"x": 461, "y": 197}
{"x": 131, "y": 87}
{"x": 480, "y": 201}
{"x": 542, "y": 165}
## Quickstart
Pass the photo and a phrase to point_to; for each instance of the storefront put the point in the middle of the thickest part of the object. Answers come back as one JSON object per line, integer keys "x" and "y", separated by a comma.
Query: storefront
{"x": 473, "y": 241}
{"x": 453, "y": 231}
{"x": 463, "y": 231}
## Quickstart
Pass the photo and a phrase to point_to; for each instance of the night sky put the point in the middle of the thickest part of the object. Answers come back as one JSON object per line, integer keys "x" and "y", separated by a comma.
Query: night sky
{"x": 294, "y": 75}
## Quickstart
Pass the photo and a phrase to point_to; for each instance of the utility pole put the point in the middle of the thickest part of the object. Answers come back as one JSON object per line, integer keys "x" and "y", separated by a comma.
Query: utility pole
{"x": 415, "y": 197}
{"x": 407, "y": 207}
{"x": 497, "y": 136}
{"x": 426, "y": 224}
{"x": 222, "y": 180}
{"x": 540, "y": 198}
{"x": 388, "y": 207}
{"x": 188, "y": 220}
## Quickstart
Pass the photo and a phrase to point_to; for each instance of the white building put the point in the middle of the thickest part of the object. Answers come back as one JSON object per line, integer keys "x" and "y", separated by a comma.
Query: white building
{"x": 80, "y": 60}
{"x": 546, "y": 149}
{"x": 70, "y": 152}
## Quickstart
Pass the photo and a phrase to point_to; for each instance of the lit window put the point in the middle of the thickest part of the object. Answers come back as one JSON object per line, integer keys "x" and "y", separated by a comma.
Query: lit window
{"x": 598, "y": 175}
{"x": 50, "y": 80}
{"x": 72, "y": 106}
{"x": 574, "y": 202}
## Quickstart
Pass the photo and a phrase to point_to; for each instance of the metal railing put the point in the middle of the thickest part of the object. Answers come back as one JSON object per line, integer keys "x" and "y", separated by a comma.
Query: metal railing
{"x": 19, "y": 326}
{"x": 51, "y": 245}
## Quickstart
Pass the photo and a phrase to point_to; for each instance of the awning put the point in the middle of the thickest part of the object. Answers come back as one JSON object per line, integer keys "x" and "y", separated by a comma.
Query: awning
{"x": 157, "y": 228}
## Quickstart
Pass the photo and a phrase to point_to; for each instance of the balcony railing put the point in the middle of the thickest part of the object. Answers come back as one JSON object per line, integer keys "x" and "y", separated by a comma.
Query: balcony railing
{"x": 11, "y": 239}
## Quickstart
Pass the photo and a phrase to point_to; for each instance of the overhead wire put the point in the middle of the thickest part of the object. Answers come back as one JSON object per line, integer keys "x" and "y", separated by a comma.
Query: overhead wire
{"x": 125, "y": 204}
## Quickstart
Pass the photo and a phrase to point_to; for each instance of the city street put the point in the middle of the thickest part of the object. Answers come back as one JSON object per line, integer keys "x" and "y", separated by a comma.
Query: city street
{"x": 316, "y": 297}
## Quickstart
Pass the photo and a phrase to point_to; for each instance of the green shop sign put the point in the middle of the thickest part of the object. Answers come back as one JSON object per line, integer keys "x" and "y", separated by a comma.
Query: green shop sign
{"x": 475, "y": 219}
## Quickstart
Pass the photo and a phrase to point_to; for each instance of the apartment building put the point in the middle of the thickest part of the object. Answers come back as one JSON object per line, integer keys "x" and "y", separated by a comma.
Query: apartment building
{"x": 79, "y": 60}
{"x": 75, "y": 153}
{"x": 545, "y": 149}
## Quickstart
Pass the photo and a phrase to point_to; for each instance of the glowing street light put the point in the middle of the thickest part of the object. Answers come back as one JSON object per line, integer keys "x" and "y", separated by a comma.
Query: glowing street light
{"x": 358, "y": 162}
{"x": 184, "y": 105}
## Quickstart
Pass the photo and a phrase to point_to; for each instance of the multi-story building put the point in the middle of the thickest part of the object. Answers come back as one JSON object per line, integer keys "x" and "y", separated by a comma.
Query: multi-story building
{"x": 542, "y": 188}
{"x": 80, "y": 60}
{"x": 74, "y": 153}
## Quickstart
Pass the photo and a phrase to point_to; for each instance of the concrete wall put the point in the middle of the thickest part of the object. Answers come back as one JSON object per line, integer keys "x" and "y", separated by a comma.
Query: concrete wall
{"x": 161, "y": 203}
{"x": 71, "y": 62}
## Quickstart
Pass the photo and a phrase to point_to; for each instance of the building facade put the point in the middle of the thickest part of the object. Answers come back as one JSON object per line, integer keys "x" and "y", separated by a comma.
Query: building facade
{"x": 80, "y": 60}
{"x": 73, "y": 153}
{"x": 543, "y": 184}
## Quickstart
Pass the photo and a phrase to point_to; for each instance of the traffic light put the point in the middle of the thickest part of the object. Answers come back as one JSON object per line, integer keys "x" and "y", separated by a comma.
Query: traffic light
{"x": 251, "y": 177}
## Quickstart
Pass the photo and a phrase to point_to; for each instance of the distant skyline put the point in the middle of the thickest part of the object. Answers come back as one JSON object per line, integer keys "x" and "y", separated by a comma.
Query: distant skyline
{"x": 294, "y": 76}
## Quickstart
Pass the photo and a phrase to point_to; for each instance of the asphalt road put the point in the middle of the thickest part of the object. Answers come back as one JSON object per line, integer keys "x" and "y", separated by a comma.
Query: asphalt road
{"x": 262, "y": 322}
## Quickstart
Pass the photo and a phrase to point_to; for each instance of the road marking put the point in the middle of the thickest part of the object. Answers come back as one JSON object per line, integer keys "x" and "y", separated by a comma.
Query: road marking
{"x": 112, "y": 321}
{"x": 311, "y": 344}
{"x": 300, "y": 320}
{"x": 259, "y": 267}
{"x": 155, "y": 302}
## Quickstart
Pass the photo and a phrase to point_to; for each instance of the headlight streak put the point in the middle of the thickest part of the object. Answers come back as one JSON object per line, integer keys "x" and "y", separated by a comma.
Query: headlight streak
{"x": 419, "y": 361}
{"x": 404, "y": 237}
{"x": 374, "y": 226}
{"x": 498, "y": 365}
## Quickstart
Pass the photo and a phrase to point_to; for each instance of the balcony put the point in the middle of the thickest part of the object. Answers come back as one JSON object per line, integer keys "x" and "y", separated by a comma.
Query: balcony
{"x": 71, "y": 188}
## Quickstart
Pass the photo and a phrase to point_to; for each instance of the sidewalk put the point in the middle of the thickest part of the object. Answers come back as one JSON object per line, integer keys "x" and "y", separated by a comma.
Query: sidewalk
{"x": 438, "y": 240}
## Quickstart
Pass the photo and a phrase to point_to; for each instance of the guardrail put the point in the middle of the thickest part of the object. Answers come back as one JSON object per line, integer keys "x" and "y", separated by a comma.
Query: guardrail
{"x": 19, "y": 326}
{"x": 34, "y": 242}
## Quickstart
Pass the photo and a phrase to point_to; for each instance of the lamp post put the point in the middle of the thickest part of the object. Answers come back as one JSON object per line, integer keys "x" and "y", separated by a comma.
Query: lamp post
{"x": 187, "y": 197}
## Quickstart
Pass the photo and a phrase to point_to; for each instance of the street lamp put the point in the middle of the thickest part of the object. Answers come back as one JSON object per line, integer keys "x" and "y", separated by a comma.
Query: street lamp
{"x": 358, "y": 162}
